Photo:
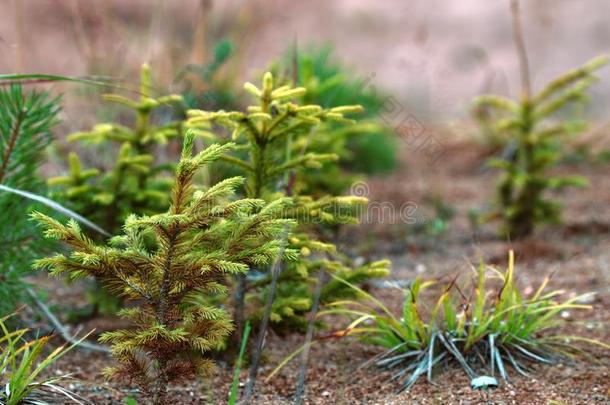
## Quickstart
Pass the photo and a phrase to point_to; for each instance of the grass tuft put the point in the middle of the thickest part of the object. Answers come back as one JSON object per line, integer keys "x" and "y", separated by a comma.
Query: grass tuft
{"x": 21, "y": 366}
{"x": 485, "y": 332}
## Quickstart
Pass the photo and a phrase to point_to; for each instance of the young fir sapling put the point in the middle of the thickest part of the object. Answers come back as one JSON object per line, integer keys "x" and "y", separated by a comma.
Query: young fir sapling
{"x": 535, "y": 144}
{"x": 273, "y": 138}
{"x": 26, "y": 119}
{"x": 167, "y": 264}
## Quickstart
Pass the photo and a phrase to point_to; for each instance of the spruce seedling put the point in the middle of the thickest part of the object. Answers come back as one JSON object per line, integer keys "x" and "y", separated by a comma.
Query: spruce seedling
{"x": 533, "y": 133}
{"x": 534, "y": 146}
{"x": 273, "y": 138}
{"x": 367, "y": 147}
{"x": 168, "y": 264}
{"x": 134, "y": 183}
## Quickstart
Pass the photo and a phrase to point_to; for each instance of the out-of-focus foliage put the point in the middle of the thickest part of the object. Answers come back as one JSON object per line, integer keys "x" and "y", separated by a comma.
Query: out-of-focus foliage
{"x": 206, "y": 86}
{"x": 533, "y": 133}
{"x": 167, "y": 264}
{"x": 133, "y": 182}
{"x": 26, "y": 119}
{"x": 438, "y": 223}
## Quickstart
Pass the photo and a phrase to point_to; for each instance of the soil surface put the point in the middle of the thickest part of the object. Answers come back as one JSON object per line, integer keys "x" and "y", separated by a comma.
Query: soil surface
{"x": 577, "y": 253}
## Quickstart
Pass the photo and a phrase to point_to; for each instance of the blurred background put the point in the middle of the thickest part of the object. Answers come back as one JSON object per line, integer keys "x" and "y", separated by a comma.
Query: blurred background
{"x": 433, "y": 56}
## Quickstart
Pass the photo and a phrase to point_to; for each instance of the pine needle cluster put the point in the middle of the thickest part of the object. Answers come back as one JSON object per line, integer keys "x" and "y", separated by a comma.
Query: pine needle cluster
{"x": 273, "y": 139}
{"x": 26, "y": 120}
{"x": 170, "y": 265}
{"x": 533, "y": 145}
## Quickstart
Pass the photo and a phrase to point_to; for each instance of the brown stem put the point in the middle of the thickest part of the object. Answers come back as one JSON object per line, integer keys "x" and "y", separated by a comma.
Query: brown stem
{"x": 163, "y": 304}
{"x": 159, "y": 387}
{"x": 239, "y": 311}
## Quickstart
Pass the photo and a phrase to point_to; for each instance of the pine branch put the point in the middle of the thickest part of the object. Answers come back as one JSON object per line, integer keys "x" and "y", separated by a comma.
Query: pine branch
{"x": 25, "y": 123}
{"x": 11, "y": 144}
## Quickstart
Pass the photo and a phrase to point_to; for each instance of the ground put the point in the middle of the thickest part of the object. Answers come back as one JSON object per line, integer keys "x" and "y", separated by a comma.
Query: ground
{"x": 576, "y": 253}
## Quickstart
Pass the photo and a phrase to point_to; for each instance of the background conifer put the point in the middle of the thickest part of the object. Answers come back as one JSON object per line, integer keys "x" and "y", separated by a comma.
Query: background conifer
{"x": 273, "y": 139}
{"x": 533, "y": 134}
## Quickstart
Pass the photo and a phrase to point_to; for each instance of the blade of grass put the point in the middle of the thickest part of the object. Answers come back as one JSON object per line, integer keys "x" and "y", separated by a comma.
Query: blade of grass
{"x": 57, "y": 207}
{"x": 456, "y": 354}
{"x": 242, "y": 352}
{"x": 24, "y": 78}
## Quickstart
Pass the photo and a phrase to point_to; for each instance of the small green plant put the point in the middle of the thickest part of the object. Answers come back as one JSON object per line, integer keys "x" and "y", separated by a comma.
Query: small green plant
{"x": 26, "y": 119}
{"x": 21, "y": 366}
{"x": 168, "y": 264}
{"x": 273, "y": 147}
{"x": 134, "y": 183}
{"x": 488, "y": 328}
{"x": 533, "y": 146}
